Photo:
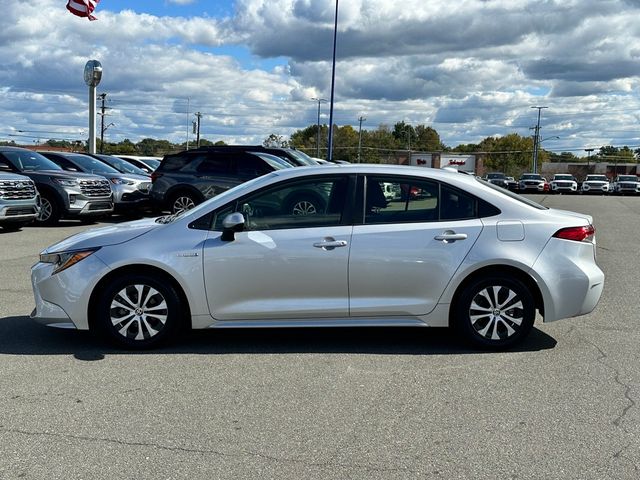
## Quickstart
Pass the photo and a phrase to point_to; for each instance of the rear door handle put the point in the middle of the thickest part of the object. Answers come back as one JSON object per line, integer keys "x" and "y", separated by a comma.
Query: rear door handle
{"x": 330, "y": 243}
{"x": 449, "y": 236}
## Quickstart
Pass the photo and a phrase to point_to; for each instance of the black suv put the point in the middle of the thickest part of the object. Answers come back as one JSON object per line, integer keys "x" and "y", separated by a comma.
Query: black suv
{"x": 188, "y": 178}
{"x": 63, "y": 194}
{"x": 292, "y": 156}
{"x": 497, "y": 178}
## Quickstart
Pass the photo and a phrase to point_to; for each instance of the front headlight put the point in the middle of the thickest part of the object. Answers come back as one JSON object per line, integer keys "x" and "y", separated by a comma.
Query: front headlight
{"x": 66, "y": 182}
{"x": 64, "y": 260}
{"x": 121, "y": 181}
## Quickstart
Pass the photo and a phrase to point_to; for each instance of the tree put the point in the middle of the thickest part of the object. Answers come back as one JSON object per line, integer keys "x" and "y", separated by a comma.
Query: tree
{"x": 274, "y": 140}
{"x": 511, "y": 154}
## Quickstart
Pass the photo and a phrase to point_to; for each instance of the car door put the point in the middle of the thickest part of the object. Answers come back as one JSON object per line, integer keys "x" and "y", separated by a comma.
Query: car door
{"x": 285, "y": 265}
{"x": 406, "y": 250}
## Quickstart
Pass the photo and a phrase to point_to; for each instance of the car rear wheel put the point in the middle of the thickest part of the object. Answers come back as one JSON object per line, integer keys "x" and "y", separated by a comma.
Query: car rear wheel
{"x": 49, "y": 211}
{"x": 495, "y": 312}
{"x": 182, "y": 202}
{"x": 138, "y": 311}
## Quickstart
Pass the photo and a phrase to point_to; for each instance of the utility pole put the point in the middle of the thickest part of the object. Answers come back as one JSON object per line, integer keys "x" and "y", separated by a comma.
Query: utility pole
{"x": 536, "y": 141}
{"x": 588, "y": 150}
{"x": 319, "y": 100}
{"x": 188, "y": 100}
{"x": 103, "y": 97}
{"x": 361, "y": 119}
{"x": 197, "y": 128}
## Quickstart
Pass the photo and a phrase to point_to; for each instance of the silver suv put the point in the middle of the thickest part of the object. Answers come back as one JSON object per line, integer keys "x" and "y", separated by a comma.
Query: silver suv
{"x": 19, "y": 201}
{"x": 63, "y": 194}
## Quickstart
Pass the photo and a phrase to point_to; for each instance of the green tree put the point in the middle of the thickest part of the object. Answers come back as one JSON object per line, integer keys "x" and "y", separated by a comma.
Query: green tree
{"x": 274, "y": 140}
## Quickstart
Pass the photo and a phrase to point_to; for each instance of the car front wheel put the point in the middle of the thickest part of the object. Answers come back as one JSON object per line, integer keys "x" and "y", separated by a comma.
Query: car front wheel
{"x": 138, "y": 311}
{"x": 495, "y": 312}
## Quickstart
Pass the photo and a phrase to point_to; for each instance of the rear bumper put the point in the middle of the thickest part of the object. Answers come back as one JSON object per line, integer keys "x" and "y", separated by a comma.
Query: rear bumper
{"x": 570, "y": 281}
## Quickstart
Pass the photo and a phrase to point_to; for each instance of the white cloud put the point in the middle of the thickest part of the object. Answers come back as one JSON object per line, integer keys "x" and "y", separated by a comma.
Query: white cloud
{"x": 470, "y": 68}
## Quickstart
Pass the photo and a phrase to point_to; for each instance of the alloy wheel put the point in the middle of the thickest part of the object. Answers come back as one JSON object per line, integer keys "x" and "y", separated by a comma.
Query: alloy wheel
{"x": 496, "y": 313}
{"x": 182, "y": 203}
{"x": 46, "y": 210}
{"x": 138, "y": 312}
{"x": 304, "y": 207}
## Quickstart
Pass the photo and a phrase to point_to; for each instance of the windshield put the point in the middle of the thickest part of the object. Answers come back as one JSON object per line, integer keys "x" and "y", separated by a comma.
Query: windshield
{"x": 563, "y": 177}
{"x": 531, "y": 176}
{"x": 276, "y": 162}
{"x": 495, "y": 175}
{"x": 121, "y": 165}
{"x": 91, "y": 164}
{"x": 27, "y": 161}
{"x": 598, "y": 178}
{"x": 303, "y": 157}
{"x": 627, "y": 178}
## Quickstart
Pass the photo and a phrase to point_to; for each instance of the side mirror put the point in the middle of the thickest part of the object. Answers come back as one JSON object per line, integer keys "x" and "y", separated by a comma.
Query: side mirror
{"x": 232, "y": 223}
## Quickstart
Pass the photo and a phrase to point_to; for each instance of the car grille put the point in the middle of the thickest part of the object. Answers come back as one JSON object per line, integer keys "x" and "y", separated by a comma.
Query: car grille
{"x": 627, "y": 185}
{"x": 531, "y": 182}
{"x": 563, "y": 184}
{"x": 95, "y": 188}
{"x": 100, "y": 206}
{"x": 17, "y": 189}
{"x": 15, "y": 211}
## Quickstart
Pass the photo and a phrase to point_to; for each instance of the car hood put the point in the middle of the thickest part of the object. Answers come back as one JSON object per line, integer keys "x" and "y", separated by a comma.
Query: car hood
{"x": 105, "y": 236}
{"x": 62, "y": 174}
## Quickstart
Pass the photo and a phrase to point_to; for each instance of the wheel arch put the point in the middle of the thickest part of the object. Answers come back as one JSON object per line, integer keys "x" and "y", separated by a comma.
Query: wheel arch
{"x": 138, "y": 269}
{"x": 503, "y": 270}
{"x": 183, "y": 188}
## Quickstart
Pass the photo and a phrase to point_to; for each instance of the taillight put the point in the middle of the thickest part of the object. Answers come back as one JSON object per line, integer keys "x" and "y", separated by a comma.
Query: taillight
{"x": 577, "y": 234}
{"x": 155, "y": 176}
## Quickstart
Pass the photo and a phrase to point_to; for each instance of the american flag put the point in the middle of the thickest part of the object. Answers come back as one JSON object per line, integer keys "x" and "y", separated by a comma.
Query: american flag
{"x": 82, "y": 8}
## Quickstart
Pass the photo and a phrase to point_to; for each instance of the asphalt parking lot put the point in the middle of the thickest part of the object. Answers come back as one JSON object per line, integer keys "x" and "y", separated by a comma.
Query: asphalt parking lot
{"x": 343, "y": 404}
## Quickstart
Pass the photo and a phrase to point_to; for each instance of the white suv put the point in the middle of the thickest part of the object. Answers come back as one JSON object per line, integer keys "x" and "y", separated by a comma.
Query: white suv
{"x": 563, "y": 182}
{"x": 596, "y": 184}
{"x": 626, "y": 184}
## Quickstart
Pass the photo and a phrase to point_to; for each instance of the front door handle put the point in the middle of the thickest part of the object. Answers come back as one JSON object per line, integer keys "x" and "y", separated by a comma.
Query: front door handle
{"x": 330, "y": 243}
{"x": 449, "y": 236}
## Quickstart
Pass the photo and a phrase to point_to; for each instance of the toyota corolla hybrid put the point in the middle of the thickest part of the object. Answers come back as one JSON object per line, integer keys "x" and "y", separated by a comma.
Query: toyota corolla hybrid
{"x": 460, "y": 253}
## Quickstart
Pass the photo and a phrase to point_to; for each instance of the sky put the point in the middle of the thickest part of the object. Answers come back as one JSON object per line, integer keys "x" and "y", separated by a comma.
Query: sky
{"x": 468, "y": 68}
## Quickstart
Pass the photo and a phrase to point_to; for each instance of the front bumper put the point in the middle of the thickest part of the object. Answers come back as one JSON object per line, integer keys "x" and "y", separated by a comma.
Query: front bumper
{"x": 600, "y": 189}
{"x": 131, "y": 195}
{"x": 63, "y": 299}
{"x": 19, "y": 210}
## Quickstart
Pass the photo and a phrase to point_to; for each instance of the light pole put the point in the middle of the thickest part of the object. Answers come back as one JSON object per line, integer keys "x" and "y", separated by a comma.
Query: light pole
{"x": 361, "y": 119}
{"x": 333, "y": 82}
{"x": 536, "y": 141}
{"x": 319, "y": 100}
{"x": 92, "y": 77}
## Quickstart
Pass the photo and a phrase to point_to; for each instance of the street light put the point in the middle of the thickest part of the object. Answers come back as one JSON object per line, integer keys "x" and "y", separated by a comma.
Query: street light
{"x": 92, "y": 77}
{"x": 319, "y": 100}
{"x": 333, "y": 82}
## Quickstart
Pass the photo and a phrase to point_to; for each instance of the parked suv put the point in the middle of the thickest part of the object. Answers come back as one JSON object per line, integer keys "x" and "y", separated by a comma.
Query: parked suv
{"x": 130, "y": 191}
{"x": 186, "y": 179}
{"x": 626, "y": 184}
{"x": 62, "y": 194}
{"x": 497, "y": 178}
{"x": 564, "y": 182}
{"x": 532, "y": 182}
{"x": 596, "y": 184}
{"x": 19, "y": 201}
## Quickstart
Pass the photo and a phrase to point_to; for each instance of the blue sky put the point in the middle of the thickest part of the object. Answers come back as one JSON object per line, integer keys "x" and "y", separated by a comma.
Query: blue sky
{"x": 212, "y": 8}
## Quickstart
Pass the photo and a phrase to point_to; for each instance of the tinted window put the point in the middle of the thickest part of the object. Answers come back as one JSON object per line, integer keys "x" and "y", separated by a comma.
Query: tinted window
{"x": 249, "y": 165}
{"x": 29, "y": 161}
{"x": 176, "y": 163}
{"x": 407, "y": 200}
{"x": 310, "y": 203}
{"x": 219, "y": 164}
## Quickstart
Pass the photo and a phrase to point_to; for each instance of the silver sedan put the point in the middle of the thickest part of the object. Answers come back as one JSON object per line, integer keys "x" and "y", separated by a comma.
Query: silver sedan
{"x": 448, "y": 250}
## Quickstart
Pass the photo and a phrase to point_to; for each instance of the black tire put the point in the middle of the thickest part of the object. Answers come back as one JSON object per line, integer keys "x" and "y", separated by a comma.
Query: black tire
{"x": 139, "y": 312}
{"x": 304, "y": 205}
{"x": 50, "y": 211}
{"x": 183, "y": 201}
{"x": 494, "y": 312}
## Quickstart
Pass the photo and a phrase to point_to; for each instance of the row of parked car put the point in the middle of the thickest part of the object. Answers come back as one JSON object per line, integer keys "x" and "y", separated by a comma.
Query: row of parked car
{"x": 567, "y": 183}
{"x": 46, "y": 186}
